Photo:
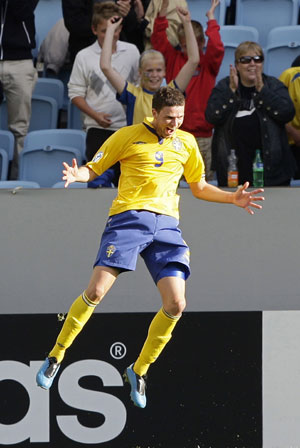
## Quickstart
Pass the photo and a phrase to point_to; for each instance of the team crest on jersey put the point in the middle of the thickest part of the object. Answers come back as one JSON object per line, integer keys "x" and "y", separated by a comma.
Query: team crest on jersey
{"x": 177, "y": 143}
{"x": 98, "y": 156}
{"x": 110, "y": 250}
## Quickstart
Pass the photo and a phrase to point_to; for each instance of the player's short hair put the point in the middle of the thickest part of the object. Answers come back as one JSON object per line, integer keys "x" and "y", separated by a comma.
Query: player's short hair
{"x": 247, "y": 46}
{"x": 167, "y": 97}
{"x": 151, "y": 55}
{"x": 104, "y": 11}
{"x": 197, "y": 27}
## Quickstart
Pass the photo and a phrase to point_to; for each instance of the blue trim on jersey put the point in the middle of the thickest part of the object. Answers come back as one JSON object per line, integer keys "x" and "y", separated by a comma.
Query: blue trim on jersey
{"x": 160, "y": 140}
{"x": 128, "y": 99}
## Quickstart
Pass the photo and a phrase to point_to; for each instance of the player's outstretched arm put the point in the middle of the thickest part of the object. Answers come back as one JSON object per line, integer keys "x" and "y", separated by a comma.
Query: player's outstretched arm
{"x": 74, "y": 174}
{"x": 241, "y": 197}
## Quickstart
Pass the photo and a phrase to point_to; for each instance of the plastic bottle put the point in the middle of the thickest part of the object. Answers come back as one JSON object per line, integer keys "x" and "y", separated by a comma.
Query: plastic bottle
{"x": 233, "y": 176}
{"x": 258, "y": 170}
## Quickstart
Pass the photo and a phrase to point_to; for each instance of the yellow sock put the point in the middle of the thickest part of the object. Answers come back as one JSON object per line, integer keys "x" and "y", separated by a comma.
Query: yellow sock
{"x": 159, "y": 334}
{"x": 79, "y": 313}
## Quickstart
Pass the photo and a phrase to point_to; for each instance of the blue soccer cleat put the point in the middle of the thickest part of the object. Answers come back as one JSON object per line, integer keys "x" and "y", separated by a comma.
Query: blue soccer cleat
{"x": 47, "y": 373}
{"x": 138, "y": 387}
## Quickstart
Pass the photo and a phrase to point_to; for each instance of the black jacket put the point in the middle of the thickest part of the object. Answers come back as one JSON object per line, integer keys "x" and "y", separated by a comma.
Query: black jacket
{"x": 17, "y": 22}
{"x": 274, "y": 108}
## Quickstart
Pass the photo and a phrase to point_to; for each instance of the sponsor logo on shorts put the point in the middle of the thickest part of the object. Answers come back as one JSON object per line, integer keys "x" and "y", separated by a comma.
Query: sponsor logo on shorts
{"x": 110, "y": 250}
{"x": 177, "y": 144}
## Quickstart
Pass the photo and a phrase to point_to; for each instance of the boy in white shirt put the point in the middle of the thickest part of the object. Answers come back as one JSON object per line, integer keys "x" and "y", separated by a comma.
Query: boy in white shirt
{"x": 90, "y": 90}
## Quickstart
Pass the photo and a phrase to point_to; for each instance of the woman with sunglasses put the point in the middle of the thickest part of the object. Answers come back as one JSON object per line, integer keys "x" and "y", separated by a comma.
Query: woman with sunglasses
{"x": 249, "y": 110}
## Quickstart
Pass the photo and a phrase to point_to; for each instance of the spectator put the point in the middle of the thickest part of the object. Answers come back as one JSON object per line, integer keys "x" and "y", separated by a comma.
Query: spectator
{"x": 53, "y": 51}
{"x": 17, "y": 72}
{"x": 249, "y": 110}
{"x": 89, "y": 89}
{"x": 203, "y": 81}
{"x": 78, "y": 16}
{"x": 138, "y": 99}
{"x": 291, "y": 79}
{"x": 173, "y": 20}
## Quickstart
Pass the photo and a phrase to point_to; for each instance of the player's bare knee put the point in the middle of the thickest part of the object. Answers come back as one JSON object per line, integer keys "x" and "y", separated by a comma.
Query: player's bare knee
{"x": 175, "y": 306}
{"x": 95, "y": 293}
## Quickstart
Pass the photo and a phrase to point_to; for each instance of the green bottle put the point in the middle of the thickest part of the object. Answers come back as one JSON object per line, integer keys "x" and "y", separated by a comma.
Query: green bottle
{"x": 258, "y": 170}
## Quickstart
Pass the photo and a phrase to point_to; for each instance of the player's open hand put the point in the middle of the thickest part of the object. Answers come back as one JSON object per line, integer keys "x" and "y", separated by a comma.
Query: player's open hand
{"x": 70, "y": 173}
{"x": 247, "y": 199}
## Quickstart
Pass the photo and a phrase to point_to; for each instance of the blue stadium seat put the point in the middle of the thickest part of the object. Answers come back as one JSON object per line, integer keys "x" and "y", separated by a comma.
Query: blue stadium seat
{"x": 18, "y": 184}
{"x": 198, "y": 9}
{"x": 3, "y": 164}
{"x": 7, "y": 142}
{"x": 47, "y": 13}
{"x": 44, "y": 113}
{"x": 50, "y": 87}
{"x": 74, "y": 120}
{"x": 283, "y": 45}
{"x": 232, "y": 36}
{"x": 61, "y": 184}
{"x": 62, "y": 137}
{"x": 44, "y": 164}
{"x": 266, "y": 14}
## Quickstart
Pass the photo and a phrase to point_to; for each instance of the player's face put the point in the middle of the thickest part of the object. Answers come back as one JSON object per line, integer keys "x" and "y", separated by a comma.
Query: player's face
{"x": 168, "y": 120}
{"x": 152, "y": 73}
{"x": 100, "y": 31}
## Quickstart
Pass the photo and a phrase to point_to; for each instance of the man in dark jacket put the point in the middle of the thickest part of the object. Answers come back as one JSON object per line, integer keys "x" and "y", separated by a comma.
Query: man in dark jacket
{"x": 17, "y": 72}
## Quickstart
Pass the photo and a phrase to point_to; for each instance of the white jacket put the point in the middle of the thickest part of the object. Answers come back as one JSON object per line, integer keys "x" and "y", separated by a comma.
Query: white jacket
{"x": 88, "y": 81}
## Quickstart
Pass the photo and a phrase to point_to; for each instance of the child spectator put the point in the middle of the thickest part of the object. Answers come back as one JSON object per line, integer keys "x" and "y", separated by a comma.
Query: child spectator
{"x": 138, "y": 99}
{"x": 89, "y": 89}
{"x": 291, "y": 79}
{"x": 203, "y": 80}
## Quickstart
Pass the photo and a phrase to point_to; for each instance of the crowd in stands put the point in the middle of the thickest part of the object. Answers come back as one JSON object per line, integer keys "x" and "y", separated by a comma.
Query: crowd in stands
{"x": 118, "y": 53}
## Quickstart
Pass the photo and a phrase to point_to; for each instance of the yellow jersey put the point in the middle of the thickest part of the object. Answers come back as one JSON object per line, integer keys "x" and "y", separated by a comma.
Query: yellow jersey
{"x": 151, "y": 167}
{"x": 291, "y": 79}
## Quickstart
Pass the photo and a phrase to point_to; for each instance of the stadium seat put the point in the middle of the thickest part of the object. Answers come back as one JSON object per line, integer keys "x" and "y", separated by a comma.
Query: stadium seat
{"x": 44, "y": 113}
{"x": 74, "y": 120}
{"x": 8, "y": 184}
{"x": 50, "y": 87}
{"x": 232, "y": 36}
{"x": 198, "y": 9}
{"x": 3, "y": 164}
{"x": 283, "y": 45}
{"x": 62, "y": 137}
{"x": 61, "y": 184}
{"x": 43, "y": 164}
{"x": 295, "y": 183}
{"x": 266, "y": 14}
{"x": 47, "y": 13}
{"x": 7, "y": 142}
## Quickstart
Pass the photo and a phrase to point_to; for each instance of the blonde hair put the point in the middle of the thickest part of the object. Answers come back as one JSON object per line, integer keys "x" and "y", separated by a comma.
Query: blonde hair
{"x": 245, "y": 47}
{"x": 151, "y": 54}
{"x": 104, "y": 11}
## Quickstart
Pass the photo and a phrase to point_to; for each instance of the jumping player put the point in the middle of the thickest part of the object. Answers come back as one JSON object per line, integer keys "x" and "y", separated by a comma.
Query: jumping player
{"x": 153, "y": 157}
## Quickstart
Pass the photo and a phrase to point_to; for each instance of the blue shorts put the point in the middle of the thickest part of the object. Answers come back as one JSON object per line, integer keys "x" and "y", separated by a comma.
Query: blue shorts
{"x": 156, "y": 237}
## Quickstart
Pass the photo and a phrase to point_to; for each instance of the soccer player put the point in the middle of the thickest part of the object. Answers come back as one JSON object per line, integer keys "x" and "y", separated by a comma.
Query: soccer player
{"x": 153, "y": 156}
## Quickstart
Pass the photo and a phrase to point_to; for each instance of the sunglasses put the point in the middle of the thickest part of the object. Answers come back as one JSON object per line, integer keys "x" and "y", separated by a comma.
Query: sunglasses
{"x": 248, "y": 59}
